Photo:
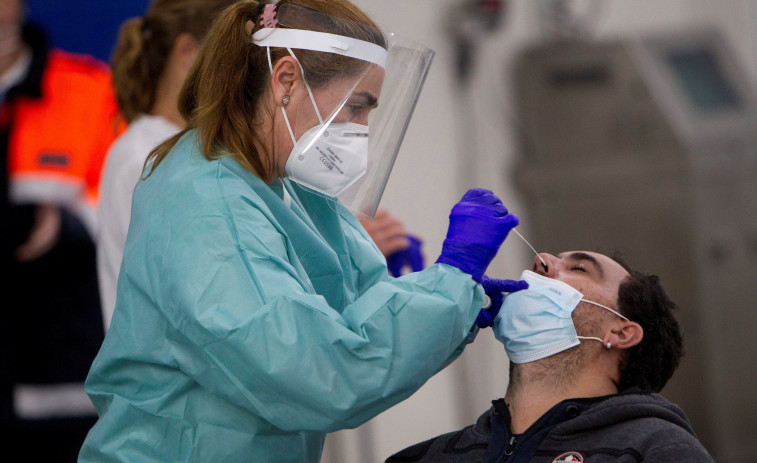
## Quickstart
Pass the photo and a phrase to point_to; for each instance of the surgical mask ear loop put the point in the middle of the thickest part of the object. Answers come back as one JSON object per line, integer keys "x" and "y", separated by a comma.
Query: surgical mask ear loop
{"x": 606, "y": 308}
{"x": 608, "y": 346}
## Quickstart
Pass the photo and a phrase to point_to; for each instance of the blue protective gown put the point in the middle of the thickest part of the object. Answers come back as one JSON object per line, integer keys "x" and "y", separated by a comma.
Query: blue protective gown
{"x": 245, "y": 328}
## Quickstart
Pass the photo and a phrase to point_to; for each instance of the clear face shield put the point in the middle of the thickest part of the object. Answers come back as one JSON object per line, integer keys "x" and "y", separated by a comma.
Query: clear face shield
{"x": 362, "y": 88}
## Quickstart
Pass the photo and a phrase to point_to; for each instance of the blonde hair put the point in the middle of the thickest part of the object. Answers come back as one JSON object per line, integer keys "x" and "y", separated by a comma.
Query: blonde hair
{"x": 225, "y": 87}
{"x": 144, "y": 45}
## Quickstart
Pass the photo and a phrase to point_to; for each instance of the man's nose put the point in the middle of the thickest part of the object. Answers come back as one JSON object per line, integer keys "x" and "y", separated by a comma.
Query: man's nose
{"x": 547, "y": 270}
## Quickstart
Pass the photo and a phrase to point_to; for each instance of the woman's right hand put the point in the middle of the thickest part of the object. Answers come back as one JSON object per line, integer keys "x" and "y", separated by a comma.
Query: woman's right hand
{"x": 478, "y": 225}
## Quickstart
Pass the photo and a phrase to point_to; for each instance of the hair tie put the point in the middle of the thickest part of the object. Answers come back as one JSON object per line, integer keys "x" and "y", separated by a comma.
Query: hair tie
{"x": 258, "y": 10}
{"x": 269, "y": 16}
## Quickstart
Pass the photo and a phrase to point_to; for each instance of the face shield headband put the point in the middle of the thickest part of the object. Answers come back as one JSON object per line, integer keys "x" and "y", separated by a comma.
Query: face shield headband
{"x": 301, "y": 39}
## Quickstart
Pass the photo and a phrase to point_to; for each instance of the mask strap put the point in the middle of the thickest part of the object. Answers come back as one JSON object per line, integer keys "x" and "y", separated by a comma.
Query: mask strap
{"x": 592, "y": 338}
{"x": 286, "y": 119}
{"x": 310, "y": 92}
{"x": 606, "y": 308}
{"x": 607, "y": 345}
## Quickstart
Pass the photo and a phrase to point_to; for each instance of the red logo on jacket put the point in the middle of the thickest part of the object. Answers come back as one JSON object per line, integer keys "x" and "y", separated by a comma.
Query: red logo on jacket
{"x": 569, "y": 456}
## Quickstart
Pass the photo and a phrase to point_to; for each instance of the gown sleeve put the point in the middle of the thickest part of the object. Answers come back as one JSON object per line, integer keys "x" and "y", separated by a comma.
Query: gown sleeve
{"x": 243, "y": 323}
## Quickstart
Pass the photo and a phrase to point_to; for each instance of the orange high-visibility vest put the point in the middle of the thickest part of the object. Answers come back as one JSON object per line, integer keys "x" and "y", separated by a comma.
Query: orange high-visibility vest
{"x": 58, "y": 142}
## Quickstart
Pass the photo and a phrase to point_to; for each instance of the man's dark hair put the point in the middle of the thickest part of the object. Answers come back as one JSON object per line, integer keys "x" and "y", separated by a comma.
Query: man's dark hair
{"x": 651, "y": 363}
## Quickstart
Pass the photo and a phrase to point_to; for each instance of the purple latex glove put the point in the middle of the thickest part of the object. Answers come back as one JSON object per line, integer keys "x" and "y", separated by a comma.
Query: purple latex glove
{"x": 494, "y": 289}
{"x": 478, "y": 225}
{"x": 411, "y": 256}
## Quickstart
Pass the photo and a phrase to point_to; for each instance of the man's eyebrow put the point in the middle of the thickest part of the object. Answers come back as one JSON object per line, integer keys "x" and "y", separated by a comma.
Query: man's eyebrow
{"x": 582, "y": 256}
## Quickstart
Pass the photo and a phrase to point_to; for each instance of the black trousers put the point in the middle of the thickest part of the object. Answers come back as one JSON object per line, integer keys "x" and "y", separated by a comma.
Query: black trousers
{"x": 44, "y": 441}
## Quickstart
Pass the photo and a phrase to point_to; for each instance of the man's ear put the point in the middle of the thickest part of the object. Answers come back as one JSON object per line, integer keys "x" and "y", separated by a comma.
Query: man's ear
{"x": 625, "y": 335}
{"x": 285, "y": 74}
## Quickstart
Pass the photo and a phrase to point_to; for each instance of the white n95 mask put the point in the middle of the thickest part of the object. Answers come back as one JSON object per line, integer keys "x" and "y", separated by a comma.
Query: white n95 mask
{"x": 329, "y": 157}
{"x": 330, "y": 161}
{"x": 535, "y": 323}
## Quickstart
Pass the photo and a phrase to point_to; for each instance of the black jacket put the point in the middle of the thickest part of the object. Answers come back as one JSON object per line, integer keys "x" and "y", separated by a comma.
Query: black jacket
{"x": 633, "y": 426}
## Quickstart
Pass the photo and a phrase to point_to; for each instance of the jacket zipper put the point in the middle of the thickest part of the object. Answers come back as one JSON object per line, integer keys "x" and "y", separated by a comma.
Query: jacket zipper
{"x": 510, "y": 448}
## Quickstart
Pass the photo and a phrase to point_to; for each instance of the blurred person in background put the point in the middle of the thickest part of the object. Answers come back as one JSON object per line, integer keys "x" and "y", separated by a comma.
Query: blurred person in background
{"x": 57, "y": 118}
{"x": 150, "y": 62}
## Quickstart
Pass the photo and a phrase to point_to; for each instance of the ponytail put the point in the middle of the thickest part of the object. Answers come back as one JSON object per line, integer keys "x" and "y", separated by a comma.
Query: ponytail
{"x": 222, "y": 93}
{"x": 145, "y": 44}
{"x": 134, "y": 78}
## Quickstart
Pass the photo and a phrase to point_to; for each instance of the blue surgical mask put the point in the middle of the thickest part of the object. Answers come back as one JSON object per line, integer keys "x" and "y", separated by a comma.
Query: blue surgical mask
{"x": 536, "y": 322}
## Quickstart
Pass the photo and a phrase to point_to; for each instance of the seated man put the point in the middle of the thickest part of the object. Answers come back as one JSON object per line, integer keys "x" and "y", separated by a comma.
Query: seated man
{"x": 590, "y": 342}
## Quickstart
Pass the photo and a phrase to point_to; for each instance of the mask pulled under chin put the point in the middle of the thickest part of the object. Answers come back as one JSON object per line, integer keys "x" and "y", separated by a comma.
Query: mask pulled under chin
{"x": 536, "y": 323}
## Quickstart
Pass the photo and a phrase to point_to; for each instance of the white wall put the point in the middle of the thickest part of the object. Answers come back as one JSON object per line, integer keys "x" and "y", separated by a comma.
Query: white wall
{"x": 433, "y": 171}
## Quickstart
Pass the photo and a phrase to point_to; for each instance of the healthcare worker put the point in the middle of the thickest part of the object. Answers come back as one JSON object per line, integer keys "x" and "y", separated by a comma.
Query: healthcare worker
{"x": 150, "y": 62}
{"x": 254, "y": 314}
